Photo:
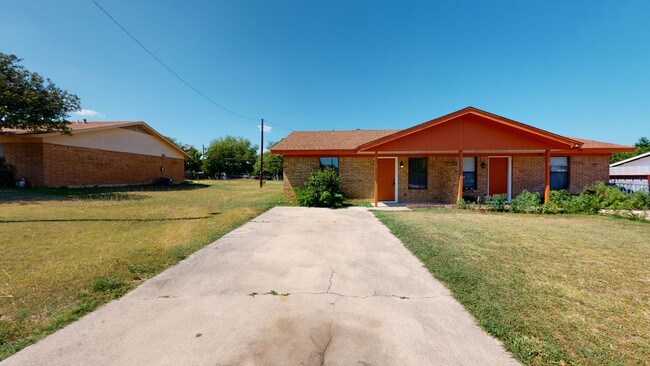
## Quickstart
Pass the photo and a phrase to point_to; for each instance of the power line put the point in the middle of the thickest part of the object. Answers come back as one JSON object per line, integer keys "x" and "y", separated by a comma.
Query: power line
{"x": 172, "y": 71}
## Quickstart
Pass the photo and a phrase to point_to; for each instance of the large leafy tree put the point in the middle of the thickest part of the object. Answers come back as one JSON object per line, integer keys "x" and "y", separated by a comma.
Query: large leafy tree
{"x": 272, "y": 162}
{"x": 27, "y": 101}
{"x": 193, "y": 163}
{"x": 230, "y": 155}
{"x": 642, "y": 146}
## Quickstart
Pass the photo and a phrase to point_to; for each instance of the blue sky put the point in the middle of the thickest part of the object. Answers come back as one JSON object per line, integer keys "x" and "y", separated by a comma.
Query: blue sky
{"x": 578, "y": 68}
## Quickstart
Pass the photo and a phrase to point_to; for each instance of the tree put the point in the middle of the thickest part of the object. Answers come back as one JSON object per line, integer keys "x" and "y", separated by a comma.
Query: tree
{"x": 27, "y": 101}
{"x": 229, "y": 155}
{"x": 193, "y": 163}
{"x": 642, "y": 146}
{"x": 272, "y": 162}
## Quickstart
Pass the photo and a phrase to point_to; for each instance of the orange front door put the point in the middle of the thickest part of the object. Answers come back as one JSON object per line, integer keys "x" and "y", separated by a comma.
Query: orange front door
{"x": 498, "y": 176}
{"x": 386, "y": 179}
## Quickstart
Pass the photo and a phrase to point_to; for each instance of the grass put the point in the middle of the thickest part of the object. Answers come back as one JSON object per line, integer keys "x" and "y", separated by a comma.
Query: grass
{"x": 554, "y": 289}
{"x": 63, "y": 252}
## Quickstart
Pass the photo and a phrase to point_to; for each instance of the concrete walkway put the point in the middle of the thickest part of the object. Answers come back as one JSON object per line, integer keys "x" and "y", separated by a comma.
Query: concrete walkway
{"x": 356, "y": 296}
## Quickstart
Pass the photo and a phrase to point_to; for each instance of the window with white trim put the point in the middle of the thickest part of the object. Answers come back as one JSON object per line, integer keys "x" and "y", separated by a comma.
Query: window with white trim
{"x": 469, "y": 172}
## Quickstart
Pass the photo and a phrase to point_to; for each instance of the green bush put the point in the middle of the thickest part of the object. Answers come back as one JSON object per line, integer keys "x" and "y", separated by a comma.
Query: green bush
{"x": 497, "y": 202}
{"x": 322, "y": 189}
{"x": 7, "y": 174}
{"x": 526, "y": 202}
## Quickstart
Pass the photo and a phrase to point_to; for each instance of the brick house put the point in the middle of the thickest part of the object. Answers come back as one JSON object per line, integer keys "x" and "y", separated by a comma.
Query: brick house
{"x": 465, "y": 154}
{"x": 95, "y": 154}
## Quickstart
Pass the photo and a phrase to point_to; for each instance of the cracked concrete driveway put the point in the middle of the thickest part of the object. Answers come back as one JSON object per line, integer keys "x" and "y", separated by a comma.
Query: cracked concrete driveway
{"x": 356, "y": 296}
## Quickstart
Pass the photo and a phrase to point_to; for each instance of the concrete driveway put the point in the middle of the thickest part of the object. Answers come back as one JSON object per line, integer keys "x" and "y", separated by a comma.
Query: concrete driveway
{"x": 353, "y": 295}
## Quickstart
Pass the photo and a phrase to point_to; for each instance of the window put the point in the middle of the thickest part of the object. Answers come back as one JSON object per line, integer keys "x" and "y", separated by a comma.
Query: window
{"x": 331, "y": 162}
{"x": 417, "y": 173}
{"x": 559, "y": 172}
{"x": 469, "y": 173}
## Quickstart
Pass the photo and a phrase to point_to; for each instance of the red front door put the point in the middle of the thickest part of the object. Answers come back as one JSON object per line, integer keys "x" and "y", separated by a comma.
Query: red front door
{"x": 386, "y": 179}
{"x": 498, "y": 176}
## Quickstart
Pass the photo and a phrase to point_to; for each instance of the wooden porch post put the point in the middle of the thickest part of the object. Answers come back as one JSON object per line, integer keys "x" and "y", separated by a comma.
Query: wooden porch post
{"x": 547, "y": 177}
{"x": 460, "y": 175}
{"x": 376, "y": 183}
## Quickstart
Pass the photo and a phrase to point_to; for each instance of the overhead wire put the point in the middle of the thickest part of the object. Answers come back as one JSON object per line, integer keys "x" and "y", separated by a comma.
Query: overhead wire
{"x": 176, "y": 74}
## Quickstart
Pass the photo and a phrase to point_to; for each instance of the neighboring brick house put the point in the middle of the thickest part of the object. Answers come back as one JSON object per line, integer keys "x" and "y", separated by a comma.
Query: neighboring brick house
{"x": 468, "y": 153}
{"x": 95, "y": 154}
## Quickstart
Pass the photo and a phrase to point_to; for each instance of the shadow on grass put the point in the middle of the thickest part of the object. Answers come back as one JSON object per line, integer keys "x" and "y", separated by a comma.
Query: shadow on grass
{"x": 113, "y": 220}
{"x": 125, "y": 193}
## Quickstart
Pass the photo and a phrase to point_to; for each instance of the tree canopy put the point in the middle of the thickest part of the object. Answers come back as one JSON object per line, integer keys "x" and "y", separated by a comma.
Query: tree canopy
{"x": 272, "y": 162}
{"x": 230, "y": 155}
{"x": 642, "y": 146}
{"x": 27, "y": 101}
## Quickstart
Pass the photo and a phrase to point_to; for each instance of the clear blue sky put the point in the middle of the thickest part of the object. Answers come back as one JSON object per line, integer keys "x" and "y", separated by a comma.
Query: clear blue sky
{"x": 578, "y": 68}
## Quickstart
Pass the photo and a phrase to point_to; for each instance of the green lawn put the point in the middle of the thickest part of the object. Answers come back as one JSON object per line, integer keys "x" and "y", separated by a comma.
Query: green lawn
{"x": 553, "y": 289}
{"x": 63, "y": 252}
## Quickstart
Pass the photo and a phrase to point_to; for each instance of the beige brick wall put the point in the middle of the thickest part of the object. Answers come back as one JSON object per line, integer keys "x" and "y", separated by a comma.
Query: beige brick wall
{"x": 586, "y": 170}
{"x": 27, "y": 158}
{"x": 295, "y": 173}
{"x": 357, "y": 177}
{"x": 80, "y": 166}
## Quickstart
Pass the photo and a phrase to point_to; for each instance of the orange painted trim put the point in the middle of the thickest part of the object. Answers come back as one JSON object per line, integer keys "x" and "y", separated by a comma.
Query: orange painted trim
{"x": 592, "y": 151}
{"x": 305, "y": 153}
{"x": 460, "y": 175}
{"x": 376, "y": 181}
{"x": 547, "y": 177}
{"x": 471, "y": 110}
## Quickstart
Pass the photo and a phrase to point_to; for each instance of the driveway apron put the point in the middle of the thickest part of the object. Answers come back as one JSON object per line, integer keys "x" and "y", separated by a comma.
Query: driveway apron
{"x": 294, "y": 286}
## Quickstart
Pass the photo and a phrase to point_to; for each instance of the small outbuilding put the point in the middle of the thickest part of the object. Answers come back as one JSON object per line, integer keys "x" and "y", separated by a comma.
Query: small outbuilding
{"x": 632, "y": 174}
{"x": 94, "y": 154}
{"x": 469, "y": 153}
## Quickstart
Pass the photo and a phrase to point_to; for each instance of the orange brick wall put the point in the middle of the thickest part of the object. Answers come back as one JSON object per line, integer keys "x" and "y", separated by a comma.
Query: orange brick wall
{"x": 58, "y": 165}
{"x": 78, "y": 166}
{"x": 27, "y": 158}
{"x": 528, "y": 173}
{"x": 357, "y": 175}
{"x": 585, "y": 170}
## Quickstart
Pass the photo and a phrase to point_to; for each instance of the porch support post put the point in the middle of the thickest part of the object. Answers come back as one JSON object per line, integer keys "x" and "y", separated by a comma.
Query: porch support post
{"x": 547, "y": 177}
{"x": 376, "y": 182}
{"x": 460, "y": 175}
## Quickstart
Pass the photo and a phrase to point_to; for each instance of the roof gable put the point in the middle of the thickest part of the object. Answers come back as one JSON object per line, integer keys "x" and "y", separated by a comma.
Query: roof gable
{"x": 471, "y": 129}
{"x": 83, "y": 127}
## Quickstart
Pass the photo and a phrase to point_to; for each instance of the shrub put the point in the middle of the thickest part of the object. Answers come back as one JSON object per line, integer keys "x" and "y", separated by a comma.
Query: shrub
{"x": 322, "y": 189}
{"x": 7, "y": 174}
{"x": 526, "y": 202}
{"x": 497, "y": 202}
{"x": 463, "y": 205}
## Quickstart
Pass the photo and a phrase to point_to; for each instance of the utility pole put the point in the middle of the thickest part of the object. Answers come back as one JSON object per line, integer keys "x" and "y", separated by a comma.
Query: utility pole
{"x": 261, "y": 151}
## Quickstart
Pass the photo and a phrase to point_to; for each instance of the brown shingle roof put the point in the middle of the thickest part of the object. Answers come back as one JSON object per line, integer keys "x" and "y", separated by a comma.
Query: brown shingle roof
{"x": 329, "y": 140}
{"x": 592, "y": 144}
{"x": 74, "y": 126}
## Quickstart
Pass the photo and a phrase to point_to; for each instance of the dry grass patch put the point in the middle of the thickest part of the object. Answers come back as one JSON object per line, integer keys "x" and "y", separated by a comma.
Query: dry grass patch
{"x": 63, "y": 252}
{"x": 554, "y": 289}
